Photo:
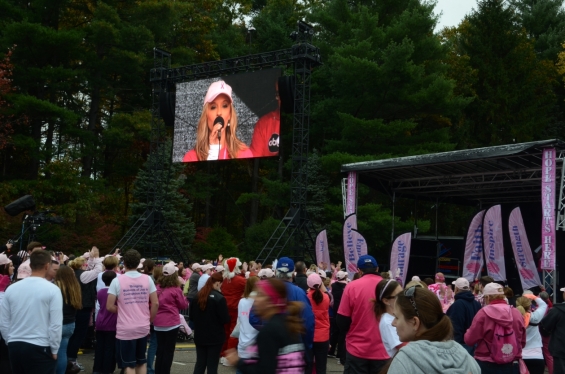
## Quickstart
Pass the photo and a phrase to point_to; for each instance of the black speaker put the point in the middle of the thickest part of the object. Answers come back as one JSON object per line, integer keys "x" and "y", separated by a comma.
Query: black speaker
{"x": 286, "y": 93}
{"x": 21, "y": 205}
{"x": 167, "y": 102}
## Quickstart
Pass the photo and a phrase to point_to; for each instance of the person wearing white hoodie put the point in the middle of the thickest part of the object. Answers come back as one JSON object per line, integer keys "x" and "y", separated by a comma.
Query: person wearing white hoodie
{"x": 420, "y": 321}
{"x": 532, "y": 352}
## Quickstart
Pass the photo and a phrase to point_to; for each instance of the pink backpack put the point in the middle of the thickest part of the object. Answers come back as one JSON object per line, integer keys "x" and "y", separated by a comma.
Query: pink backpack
{"x": 504, "y": 347}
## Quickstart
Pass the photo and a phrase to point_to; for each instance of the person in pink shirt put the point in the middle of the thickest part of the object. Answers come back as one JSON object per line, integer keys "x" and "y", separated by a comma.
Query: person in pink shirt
{"x": 320, "y": 306}
{"x": 134, "y": 292}
{"x": 365, "y": 351}
{"x": 216, "y": 137}
{"x": 167, "y": 320}
{"x": 266, "y": 133}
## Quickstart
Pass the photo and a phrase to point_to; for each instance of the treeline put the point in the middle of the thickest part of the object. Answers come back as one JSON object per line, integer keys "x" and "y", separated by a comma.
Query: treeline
{"x": 75, "y": 100}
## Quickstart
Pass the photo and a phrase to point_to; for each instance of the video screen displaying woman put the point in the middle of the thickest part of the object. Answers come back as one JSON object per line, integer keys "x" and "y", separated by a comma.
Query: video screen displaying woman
{"x": 226, "y": 118}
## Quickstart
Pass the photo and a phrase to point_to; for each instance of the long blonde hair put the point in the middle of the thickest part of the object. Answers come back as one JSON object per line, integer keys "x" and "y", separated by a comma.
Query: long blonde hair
{"x": 233, "y": 144}
{"x": 66, "y": 280}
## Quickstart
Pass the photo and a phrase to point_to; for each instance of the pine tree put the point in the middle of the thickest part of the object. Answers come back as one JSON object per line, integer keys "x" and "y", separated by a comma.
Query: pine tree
{"x": 512, "y": 88}
{"x": 175, "y": 206}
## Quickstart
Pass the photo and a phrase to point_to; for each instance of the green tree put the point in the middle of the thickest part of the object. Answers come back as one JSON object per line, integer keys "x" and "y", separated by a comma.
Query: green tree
{"x": 512, "y": 88}
{"x": 175, "y": 206}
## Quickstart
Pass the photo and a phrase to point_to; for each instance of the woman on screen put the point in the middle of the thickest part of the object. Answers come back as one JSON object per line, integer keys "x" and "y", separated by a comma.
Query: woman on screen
{"x": 216, "y": 133}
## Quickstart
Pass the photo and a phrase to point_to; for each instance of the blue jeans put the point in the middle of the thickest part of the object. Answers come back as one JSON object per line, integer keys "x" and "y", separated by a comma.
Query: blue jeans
{"x": 151, "y": 352}
{"x": 68, "y": 330}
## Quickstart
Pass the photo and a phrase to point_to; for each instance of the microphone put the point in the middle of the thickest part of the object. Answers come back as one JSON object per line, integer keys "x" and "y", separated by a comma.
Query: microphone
{"x": 219, "y": 120}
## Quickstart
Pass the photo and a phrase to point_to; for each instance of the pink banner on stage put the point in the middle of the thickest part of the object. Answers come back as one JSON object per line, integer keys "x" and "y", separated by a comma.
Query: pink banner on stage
{"x": 400, "y": 256}
{"x": 473, "y": 259}
{"x": 522, "y": 251}
{"x": 349, "y": 240}
{"x": 351, "y": 203}
{"x": 322, "y": 250}
{"x": 493, "y": 243}
{"x": 548, "y": 209}
{"x": 360, "y": 244}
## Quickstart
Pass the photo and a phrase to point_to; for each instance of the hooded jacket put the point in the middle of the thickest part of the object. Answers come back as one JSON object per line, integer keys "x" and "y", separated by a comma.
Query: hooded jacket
{"x": 482, "y": 329}
{"x": 428, "y": 357}
{"x": 461, "y": 313}
{"x": 553, "y": 324}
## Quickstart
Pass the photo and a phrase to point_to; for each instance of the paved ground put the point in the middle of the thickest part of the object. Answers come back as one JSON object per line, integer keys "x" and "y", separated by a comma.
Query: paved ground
{"x": 185, "y": 358}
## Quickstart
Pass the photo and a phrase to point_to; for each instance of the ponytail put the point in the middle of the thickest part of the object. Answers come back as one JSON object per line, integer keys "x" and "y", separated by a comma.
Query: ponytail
{"x": 317, "y": 295}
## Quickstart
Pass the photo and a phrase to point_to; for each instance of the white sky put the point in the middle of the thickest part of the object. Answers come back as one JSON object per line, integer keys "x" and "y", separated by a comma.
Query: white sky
{"x": 453, "y": 11}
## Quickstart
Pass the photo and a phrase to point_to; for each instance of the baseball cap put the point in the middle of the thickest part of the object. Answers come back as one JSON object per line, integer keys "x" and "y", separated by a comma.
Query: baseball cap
{"x": 206, "y": 267}
{"x": 341, "y": 275}
{"x": 268, "y": 273}
{"x": 285, "y": 265}
{"x": 366, "y": 261}
{"x": 493, "y": 289}
{"x": 170, "y": 269}
{"x": 562, "y": 289}
{"x": 219, "y": 268}
{"x": 322, "y": 274}
{"x": 141, "y": 263}
{"x": 314, "y": 280}
{"x": 462, "y": 283}
{"x": 4, "y": 260}
{"x": 24, "y": 271}
{"x": 195, "y": 266}
{"x": 216, "y": 89}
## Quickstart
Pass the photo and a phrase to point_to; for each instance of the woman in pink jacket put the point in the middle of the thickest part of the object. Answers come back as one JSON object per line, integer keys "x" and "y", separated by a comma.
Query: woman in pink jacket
{"x": 167, "y": 320}
{"x": 320, "y": 306}
{"x": 481, "y": 332}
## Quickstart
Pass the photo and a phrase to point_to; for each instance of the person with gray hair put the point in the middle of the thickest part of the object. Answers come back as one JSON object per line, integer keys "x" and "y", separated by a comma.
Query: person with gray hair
{"x": 300, "y": 279}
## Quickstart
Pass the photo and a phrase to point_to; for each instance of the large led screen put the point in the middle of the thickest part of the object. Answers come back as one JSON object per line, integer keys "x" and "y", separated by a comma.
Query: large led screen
{"x": 236, "y": 116}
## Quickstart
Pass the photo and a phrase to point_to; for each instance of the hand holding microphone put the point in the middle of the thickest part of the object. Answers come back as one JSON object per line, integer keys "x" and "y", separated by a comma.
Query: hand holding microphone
{"x": 219, "y": 121}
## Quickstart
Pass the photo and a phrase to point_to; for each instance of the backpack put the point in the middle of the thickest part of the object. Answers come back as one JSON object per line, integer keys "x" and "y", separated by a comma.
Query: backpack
{"x": 504, "y": 347}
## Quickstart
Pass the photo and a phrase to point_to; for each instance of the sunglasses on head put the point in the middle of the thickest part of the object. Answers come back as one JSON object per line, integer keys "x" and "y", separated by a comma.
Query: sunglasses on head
{"x": 409, "y": 293}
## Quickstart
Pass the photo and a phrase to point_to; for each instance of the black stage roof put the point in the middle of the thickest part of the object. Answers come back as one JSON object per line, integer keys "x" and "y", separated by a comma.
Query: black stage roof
{"x": 499, "y": 174}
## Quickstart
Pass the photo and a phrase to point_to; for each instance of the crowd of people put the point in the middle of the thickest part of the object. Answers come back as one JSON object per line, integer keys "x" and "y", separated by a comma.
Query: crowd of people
{"x": 279, "y": 318}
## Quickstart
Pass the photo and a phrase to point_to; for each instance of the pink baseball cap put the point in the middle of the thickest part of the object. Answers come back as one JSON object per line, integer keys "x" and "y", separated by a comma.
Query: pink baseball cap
{"x": 206, "y": 267}
{"x": 195, "y": 266}
{"x": 493, "y": 289}
{"x": 314, "y": 280}
{"x": 341, "y": 275}
{"x": 170, "y": 269}
{"x": 462, "y": 283}
{"x": 216, "y": 89}
{"x": 4, "y": 260}
{"x": 24, "y": 271}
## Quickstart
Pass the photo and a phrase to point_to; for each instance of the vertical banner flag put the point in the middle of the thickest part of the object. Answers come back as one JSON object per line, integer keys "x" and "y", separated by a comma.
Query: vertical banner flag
{"x": 473, "y": 258}
{"x": 350, "y": 253}
{"x": 548, "y": 209}
{"x": 322, "y": 250}
{"x": 522, "y": 251}
{"x": 360, "y": 244}
{"x": 351, "y": 205}
{"x": 493, "y": 243}
{"x": 400, "y": 256}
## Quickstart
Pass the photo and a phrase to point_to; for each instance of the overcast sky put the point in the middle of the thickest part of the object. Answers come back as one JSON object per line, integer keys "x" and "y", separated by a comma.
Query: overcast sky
{"x": 453, "y": 11}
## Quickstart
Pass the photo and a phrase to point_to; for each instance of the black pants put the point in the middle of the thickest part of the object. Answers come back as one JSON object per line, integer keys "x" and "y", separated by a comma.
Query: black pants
{"x": 27, "y": 358}
{"x": 207, "y": 357}
{"x": 357, "y": 365}
{"x": 5, "y": 367}
{"x": 166, "y": 341}
{"x": 337, "y": 339}
{"x": 535, "y": 366}
{"x": 320, "y": 350}
{"x": 558, "y": 365}
{"x": 105, "y": 352}
{"x": 81, "y": 326}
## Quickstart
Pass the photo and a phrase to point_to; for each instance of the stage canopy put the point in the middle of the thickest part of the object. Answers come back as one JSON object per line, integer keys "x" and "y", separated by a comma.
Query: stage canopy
{"x": 500, "y": 174}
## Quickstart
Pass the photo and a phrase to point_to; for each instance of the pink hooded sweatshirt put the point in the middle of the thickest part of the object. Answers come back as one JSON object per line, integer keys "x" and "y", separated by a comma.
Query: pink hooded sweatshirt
{"x": 482, "y": 328}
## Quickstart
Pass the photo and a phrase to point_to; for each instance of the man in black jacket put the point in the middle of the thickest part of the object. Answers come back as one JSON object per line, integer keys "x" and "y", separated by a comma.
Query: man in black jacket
{"x": 337, "y": 338}
{"x": 462, "y": 311}
{"x": 553, "y": 324}
{"x": 301, "y": 279}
